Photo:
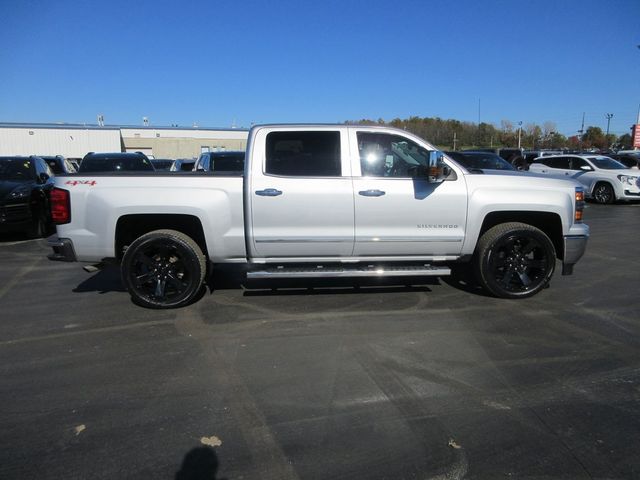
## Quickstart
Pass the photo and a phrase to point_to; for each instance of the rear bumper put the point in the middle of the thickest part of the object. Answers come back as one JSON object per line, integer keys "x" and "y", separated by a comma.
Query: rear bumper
{"x": 62, "y": 249}
{"x": 574, "y": 248}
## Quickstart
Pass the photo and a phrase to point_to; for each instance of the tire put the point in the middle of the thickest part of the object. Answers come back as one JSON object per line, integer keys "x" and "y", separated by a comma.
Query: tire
{"x": 520, "y": 164}
{"x": 514, "y": 260}
{"x": 38, "y": 227}
{"x": 603, "y": 193}
{"x": 163, "y": 269}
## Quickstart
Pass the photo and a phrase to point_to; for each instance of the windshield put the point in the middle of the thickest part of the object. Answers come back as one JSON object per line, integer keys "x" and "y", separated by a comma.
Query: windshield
{"x": 490, "y": 162}
{"x": 607, "y": 163}
{"x": 16, "y": 169}
{"x": 482, "y": 161}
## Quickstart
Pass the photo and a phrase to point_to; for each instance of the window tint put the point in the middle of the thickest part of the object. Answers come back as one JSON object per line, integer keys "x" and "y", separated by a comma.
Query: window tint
{"x": 578, "y": 163}
{"x": 54, "y": 166}
{"x": 227, "y": 162}
{"x": 607, "y": 163}
{"x": 384, "y": 155}
{"x": 557, "y": 162}
{"x": 303, "y": 154}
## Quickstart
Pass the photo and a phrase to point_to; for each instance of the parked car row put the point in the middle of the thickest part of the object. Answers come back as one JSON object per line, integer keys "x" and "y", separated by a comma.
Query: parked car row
{"x": 221, "y": 162}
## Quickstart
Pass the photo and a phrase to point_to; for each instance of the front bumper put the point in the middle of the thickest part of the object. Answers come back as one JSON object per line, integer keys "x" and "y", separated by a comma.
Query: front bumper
{"x": 15, "y": 217}
{"x": 574, "y": 247}
{"x": 62, "y": 249}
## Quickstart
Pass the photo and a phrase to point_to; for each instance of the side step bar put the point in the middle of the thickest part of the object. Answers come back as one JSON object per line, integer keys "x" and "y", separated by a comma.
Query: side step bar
{"x": 345, "y": 272}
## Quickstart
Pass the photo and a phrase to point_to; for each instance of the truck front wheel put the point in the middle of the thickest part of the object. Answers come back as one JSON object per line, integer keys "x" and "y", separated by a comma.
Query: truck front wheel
{"x": 163, "y": 269}
{"x": 514, "y": 260}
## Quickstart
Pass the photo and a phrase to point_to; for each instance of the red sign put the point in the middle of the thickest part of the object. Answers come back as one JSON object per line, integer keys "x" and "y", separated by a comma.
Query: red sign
{"x": 636, "y": 135}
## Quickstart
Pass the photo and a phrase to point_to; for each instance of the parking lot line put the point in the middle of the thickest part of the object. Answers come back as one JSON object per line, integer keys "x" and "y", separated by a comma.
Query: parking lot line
{"x": 23, "y": 271}
{"x": 88, "y": 331}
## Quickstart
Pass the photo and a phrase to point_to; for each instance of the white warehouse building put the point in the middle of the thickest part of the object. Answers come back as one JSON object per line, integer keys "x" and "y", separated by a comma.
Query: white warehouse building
{"x": 75, "y": 141}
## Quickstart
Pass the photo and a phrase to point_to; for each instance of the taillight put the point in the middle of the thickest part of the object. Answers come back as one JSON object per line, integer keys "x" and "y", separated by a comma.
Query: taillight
{"x": 60, "y": 206}
{"x": 579, "y": 205}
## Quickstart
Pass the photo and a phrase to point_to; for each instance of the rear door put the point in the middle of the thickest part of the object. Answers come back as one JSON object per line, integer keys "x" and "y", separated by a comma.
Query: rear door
{"x": 555, "y": 166}
{"x": 301, "y": 193}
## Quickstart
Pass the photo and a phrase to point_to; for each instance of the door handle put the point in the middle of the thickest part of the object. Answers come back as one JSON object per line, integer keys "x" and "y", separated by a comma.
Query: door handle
{"x": 371, "y": 193}
{"x": 268, "y": 192}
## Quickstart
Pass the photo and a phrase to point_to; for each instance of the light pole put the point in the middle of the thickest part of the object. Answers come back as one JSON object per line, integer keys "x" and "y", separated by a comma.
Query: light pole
{"x": 519, "y": 133}
{"x": 609, "y": 117}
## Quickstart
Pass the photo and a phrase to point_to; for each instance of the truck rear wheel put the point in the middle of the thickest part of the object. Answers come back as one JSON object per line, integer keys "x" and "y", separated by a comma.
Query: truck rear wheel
{"x": 514, "y": 260}
{"x": 163, "y": 269}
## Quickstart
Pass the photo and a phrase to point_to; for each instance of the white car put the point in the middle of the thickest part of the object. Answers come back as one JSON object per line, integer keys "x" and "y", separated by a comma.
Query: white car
{"x": 605, "y": 180}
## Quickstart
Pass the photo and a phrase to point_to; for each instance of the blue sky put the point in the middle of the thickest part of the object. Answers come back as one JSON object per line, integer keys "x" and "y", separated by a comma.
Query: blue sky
{"x": 215, "y": 63}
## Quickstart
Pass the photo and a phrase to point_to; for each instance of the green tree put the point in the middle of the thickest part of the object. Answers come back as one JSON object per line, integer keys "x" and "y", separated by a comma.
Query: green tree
{"x": 624, "y": 142}
{"x": 594, "y": 137}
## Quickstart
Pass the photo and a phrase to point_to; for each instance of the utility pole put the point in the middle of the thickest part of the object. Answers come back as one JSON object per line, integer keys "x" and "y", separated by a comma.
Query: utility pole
{"x": 455, "y": 140}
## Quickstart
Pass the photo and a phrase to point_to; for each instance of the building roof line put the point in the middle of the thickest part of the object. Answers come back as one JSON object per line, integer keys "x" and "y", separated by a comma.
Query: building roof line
{"x": 82, "y": 126}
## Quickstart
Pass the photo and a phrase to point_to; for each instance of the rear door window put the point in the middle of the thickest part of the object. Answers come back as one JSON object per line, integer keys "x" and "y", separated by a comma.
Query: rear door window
{"x": 303, "y": 154}
{"x": 557, "y": 162}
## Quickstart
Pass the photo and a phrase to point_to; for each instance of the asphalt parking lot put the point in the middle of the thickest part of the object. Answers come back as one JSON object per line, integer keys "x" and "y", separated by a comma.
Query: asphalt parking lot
{"x": 427, "y": 381}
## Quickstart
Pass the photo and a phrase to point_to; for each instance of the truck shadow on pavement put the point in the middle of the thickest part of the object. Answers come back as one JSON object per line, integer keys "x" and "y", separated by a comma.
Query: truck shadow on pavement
{"x": 105, "y": 281}
{"x": 108, "y": 280}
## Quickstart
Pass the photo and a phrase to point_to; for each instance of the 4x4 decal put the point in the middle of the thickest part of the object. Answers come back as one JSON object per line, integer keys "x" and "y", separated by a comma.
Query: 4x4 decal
{"x": 73, "y": 183}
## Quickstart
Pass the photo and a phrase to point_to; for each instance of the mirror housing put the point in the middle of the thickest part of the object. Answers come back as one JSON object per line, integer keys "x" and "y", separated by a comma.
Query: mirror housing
{"x": 436, "y": 172}
{"x": 43, "y": 178}
{"x": 586, "y": 168}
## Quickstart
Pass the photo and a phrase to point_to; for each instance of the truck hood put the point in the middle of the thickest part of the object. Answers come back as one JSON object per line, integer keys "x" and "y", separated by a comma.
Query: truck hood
{"x": 8, "y": 186}
{"x": 520, "y": 180}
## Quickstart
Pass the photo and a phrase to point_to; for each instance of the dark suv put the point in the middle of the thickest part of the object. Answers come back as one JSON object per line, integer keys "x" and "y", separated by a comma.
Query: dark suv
{"x": 115, "y": 162}
{"x": 25, "y": 187}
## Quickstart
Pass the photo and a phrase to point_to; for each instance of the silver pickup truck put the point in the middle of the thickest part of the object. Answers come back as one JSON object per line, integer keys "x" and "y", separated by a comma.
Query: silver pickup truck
{"x": 321, "y": 201}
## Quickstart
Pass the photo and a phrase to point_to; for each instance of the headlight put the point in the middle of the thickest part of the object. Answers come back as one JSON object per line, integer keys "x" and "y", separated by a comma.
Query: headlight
{"x": 627, "y": 179}
{"x": 20, "y": 192}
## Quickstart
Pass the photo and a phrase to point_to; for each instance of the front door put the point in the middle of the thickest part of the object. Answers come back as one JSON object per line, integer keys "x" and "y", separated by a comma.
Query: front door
{"x": 396, "y": 215}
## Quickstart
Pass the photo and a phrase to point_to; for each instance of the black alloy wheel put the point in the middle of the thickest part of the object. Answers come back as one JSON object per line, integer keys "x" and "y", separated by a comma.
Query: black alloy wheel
{"x": 603, "y": 193}
{"x": 163, "y": 269}
{"x": 515, "y": 260}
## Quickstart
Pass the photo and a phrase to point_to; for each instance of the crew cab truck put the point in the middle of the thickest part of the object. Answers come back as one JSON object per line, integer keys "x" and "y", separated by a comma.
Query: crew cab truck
{"x": 321, "y": 201}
